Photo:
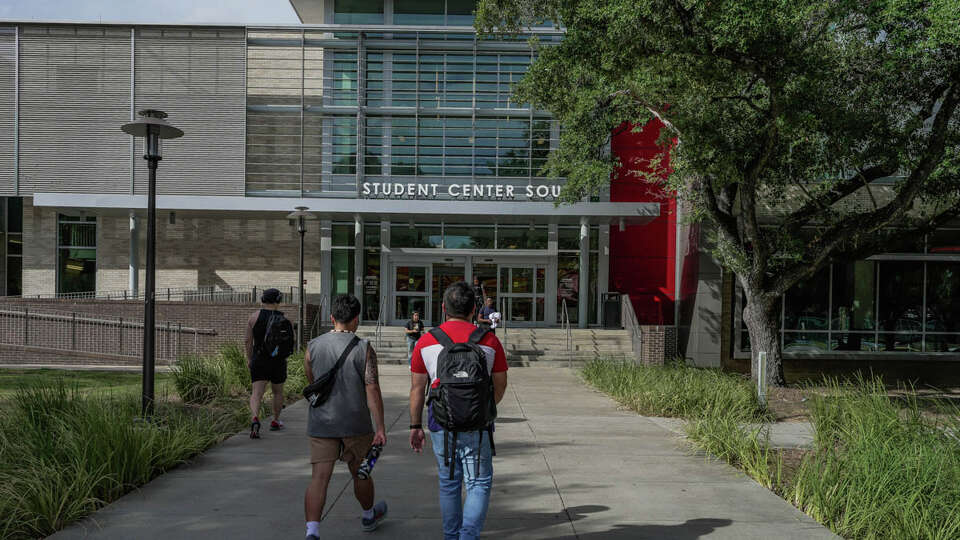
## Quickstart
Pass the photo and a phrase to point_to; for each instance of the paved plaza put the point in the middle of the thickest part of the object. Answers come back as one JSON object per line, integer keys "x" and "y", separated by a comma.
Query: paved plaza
{"x": 570, "y": 464}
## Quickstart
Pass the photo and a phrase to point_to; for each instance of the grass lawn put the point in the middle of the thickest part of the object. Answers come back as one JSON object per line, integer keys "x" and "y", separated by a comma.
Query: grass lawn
{"x": 83, "y": 380}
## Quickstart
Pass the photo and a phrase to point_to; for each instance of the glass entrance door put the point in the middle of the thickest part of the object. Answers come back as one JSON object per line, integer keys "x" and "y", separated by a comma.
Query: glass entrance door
{"x": 412, "y": 292}
{"x": 521, "y": 298}
{"x": 444, "y": 275}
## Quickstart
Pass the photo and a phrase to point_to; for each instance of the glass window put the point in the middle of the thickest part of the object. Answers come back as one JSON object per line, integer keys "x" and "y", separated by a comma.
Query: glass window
{"x": 943, "y": 343}
{"x": 521, "y": 237}
{"x": 594, "y": 238}
{"x": 358, "y": 12}
{"x": 14, "y": 276}
{"x": 901, "y": 297}
{"x": 343, "y": 234}
{"x": 77, "y": 270}
{"x": 854, "y": 341}
{"x": 910, "y": 244}
{"x": 943, "y": 297}
{"x": 371, "y": 286}
{"x": 568, "y": 238}
{"x": 805, "y": 342}
{"x": 944, "y": 242}
{"x": 854, "y": 296}
{"x": 341, "y": 266}
{"x": 371, "y": 235}
{"x": 418, "y": 12}
{"x": 418, "y": 236}
{"x": 411, "y": 279}
{"x": 76, "y": 254}
{"x": 406, "y": 305}
{"x": 806, "y": 306}
{"x": 522, "y": 280}
{"x": 460, "y": 12}
{"x": 15, "y": 245}
{"x": 468, "y": 236}
{"x": 15, "y": 215}
{"x": 568, "y": 285}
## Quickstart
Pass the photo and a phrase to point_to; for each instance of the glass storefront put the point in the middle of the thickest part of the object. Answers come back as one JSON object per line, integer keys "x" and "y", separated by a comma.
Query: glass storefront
{"x": 887, "y": 304}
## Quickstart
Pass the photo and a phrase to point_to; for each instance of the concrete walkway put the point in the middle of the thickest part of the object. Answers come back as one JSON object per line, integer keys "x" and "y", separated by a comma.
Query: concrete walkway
{"x": 569, "y": 465}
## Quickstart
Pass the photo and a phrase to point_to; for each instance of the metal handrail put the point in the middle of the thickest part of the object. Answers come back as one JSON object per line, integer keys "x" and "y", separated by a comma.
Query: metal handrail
{"x": 631, "y": 323}
{"x": 565, "y": 325}
{"x": 317, "y": 319}
{"x": 378, "y": 333}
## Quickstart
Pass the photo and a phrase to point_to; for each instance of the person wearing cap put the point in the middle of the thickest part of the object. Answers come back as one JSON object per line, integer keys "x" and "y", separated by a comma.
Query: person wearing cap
{"x": 264, "y": 368}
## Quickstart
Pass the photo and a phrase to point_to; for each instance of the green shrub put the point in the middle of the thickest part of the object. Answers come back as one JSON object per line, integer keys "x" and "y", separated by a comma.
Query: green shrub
{"x": 881, "y": 469}
{"x": 296, "y": 378}
{"x": 233, "y": 359}
{"x": 199, "y": 379}
{"x": 63, "y": 454}
{"x": 674, "y": 390}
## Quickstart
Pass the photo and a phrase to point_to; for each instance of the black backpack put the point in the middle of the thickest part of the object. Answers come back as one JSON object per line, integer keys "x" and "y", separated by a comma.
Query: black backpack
{"x": 278, "y": 338}
{"x": 463, "y": 398}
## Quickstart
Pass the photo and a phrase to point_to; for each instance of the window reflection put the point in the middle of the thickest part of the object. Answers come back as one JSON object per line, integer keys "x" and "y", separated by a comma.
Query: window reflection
{"x": 854, "y": 296}
{"x": 806, "y": 306}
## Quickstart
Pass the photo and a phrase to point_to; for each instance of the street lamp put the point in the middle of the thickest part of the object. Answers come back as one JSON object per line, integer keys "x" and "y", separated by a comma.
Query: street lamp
{"x": 301, "y": 215}
{"x": 153, "y": 128}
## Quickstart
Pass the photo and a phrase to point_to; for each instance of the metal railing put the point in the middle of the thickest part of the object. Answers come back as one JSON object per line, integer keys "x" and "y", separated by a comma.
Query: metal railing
{"x": 316, "y": 327}
{"x": 98, "y": 337}
{"x": 213, "y": 294}
{"x": 565, "y": 325}
{"x": 378, "y": 333}
{"x": 631, "y": 324}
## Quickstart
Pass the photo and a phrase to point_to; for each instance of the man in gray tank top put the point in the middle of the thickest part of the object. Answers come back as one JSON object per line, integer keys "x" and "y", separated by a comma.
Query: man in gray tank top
{"x": 341, "y": 427}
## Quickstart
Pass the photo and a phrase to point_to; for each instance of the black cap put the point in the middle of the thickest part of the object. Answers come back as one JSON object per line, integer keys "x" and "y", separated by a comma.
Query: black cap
{"x": 271, "y": 296}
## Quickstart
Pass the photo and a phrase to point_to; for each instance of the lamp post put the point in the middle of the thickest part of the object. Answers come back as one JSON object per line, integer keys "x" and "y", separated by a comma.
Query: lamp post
{"x": 153, "y": 128}
{"x": 301, "y": 215}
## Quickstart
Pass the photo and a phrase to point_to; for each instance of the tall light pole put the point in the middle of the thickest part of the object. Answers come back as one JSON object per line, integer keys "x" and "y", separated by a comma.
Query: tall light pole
{"x": 153, "y": 128}
{"x": 301, "y": 215}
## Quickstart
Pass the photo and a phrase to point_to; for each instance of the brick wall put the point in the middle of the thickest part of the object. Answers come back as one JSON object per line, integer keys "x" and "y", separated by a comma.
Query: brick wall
{"x": 103, "y": 341}
{"x": 658, "y": 345}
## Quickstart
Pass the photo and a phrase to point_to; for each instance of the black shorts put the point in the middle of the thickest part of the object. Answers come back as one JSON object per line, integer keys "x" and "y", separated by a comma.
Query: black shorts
{"x": 271, "y": 370}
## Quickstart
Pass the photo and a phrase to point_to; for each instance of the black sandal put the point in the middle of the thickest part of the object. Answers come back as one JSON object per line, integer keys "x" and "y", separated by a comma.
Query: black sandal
{"x": 255, "y": 429}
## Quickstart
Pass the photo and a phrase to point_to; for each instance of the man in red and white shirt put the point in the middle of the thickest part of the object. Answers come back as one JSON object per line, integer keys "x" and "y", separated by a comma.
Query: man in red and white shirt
{"x": 464, "y": 522}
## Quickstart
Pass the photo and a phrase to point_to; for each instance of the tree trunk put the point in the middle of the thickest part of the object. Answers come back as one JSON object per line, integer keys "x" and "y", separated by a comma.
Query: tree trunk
{"x": 761, "y": 316}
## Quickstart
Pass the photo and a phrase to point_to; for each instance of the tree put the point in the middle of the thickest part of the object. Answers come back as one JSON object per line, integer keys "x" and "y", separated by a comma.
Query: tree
{"x": 800, "y": 106}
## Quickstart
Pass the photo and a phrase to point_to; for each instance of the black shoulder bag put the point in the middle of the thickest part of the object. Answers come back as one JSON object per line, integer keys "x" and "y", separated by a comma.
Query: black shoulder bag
{"x": 318, "y": 392}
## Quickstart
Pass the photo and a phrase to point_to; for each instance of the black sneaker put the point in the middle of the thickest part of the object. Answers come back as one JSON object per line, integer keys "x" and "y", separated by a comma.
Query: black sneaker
{"x": 379, "y": 513}
{"x": 312, "y": 537}
{"x": 255, "y": 428}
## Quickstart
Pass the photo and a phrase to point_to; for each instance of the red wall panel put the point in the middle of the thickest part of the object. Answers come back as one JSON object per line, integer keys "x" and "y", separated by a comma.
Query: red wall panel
{"x": 643, "y": 258}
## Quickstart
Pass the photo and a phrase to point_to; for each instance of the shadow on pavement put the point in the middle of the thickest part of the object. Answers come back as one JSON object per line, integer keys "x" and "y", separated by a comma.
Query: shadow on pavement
{"x": 690, "y": 530}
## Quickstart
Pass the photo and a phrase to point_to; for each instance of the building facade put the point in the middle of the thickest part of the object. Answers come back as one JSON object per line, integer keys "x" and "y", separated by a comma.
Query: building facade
{"x": 394, "y": 123}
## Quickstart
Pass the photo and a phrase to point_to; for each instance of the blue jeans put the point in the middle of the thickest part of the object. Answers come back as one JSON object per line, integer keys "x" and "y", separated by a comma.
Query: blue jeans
{"x": 411, "y": 343}
{"x": 464, "y": 521}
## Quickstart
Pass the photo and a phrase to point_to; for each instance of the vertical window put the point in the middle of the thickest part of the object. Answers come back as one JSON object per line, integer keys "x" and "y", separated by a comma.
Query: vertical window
{"x": 76, "y": 254}
{"x": 371, "y": 279}
{"x": 342, "y": 263}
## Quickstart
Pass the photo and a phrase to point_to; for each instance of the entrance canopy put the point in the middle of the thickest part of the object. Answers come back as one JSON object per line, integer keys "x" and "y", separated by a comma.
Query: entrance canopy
{"x": 633, "y": 213}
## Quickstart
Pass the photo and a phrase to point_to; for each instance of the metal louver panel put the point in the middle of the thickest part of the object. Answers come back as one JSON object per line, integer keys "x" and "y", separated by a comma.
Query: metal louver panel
{"x": 74, "y": 96}
{"x": 196, "y": 75}
{"x": 8, "y": 66}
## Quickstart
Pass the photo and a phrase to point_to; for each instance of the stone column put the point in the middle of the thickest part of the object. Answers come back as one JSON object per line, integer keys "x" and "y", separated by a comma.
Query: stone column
{"x": 134, "y": 277}
{"x": 326, "y": 260}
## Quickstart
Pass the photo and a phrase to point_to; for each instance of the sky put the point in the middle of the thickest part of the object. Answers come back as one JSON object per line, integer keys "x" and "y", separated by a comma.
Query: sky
{"x": 151, "y": 11}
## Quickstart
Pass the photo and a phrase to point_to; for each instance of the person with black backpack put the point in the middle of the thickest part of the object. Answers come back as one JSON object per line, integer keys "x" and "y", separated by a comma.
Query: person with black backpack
{"x": 269, "y": 341}
{"x": 466, "y": 369}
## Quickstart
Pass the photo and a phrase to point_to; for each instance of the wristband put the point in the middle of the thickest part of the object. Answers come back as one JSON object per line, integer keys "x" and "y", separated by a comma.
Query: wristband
{"x": 416, "y": 426}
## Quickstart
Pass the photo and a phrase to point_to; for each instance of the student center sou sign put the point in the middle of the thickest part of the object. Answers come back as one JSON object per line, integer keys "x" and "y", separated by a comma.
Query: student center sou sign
{"x": 394, "y": 124}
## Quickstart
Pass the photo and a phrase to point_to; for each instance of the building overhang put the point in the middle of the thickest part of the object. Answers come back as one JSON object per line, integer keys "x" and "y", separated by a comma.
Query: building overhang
{"x": 423, "y": 210}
